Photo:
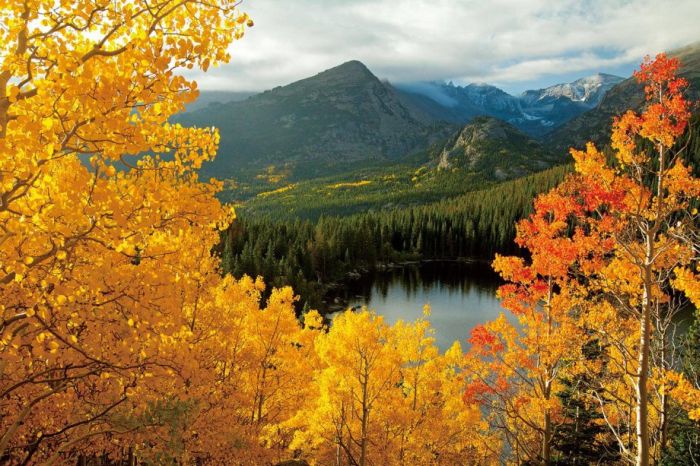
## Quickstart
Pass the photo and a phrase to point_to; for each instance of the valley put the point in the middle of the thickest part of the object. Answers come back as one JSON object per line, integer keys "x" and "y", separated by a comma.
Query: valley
{"x": 313, "y": 221}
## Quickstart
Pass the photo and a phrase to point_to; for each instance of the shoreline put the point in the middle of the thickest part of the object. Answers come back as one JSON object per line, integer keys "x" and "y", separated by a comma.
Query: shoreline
{"x": 333, "y": 304}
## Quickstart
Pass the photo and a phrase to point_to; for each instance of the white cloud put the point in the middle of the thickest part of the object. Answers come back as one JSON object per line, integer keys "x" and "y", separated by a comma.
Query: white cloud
{"x": 513, "y": 43}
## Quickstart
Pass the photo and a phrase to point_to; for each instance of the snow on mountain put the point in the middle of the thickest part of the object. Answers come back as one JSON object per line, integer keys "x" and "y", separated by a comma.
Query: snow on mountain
{"x": 535, "y": 111}
{"x": 589, "y": 90}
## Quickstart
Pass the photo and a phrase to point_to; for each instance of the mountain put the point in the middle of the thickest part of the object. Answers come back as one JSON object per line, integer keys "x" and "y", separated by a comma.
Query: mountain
{"x": 495, "y": 149}
{"x": 535, "y": 112}
{"x": 555, "y": 105}
{"x": 345, "y": 118}
{"x": 459, "y": 104}
{"x": 342, "y": 116}
{"x": 595, "y": 124}
{"x": 588, "y": 91}
{"x": 217, "y": 97}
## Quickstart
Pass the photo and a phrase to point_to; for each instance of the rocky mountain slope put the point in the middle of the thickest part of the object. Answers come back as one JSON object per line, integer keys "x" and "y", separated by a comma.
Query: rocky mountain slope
{"x": 495, "y": 149}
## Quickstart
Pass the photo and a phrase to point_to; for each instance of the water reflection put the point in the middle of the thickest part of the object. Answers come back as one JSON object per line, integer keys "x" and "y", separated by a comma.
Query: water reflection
{"x": 461, "y": 295}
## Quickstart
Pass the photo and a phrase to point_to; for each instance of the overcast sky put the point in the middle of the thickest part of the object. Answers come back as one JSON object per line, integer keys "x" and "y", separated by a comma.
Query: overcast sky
{"x": 514, "y": 44}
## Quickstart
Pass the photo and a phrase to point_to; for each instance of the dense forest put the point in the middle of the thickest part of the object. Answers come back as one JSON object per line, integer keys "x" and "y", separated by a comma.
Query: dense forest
{"x": 311, "y": 255}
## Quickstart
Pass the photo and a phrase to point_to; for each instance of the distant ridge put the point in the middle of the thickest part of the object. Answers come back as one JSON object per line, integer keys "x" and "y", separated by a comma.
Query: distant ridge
{"x": 535, "y": 112}
{"x": 595, "y": 124}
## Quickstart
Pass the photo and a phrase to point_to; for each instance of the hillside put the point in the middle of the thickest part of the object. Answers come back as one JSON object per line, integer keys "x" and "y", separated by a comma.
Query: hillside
{"x": 479, "y": 155}
{"x": 494, "y": 149}
{"x": 313, "y": 127}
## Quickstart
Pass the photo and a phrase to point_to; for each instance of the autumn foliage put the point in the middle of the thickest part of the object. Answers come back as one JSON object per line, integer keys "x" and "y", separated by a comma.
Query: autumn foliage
{"x": 609, "y": 250}
{"x": 119, "y": 337}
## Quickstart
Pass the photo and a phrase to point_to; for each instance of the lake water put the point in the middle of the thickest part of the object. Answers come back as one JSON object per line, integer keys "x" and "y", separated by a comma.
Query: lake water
{"x": 461, "y": 295}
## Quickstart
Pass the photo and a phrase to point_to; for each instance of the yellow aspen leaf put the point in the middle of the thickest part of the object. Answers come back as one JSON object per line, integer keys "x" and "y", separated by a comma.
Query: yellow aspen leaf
{"x": 53, "y": 346}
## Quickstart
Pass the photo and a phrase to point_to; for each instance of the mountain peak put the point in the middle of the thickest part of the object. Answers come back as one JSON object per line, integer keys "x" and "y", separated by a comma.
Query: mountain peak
{"x": 587, "y": 91}
{"x": 343, "y": 115}
{"x": 351, "y": 74}
{"x": 351, "y": 70}
{"x": 353, "y": 64}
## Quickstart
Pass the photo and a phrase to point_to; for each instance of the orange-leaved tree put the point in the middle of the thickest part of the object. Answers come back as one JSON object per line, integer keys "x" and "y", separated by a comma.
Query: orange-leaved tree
{"x": 515, "y": 370}
{"x": 640, "y": 202}
{"x": 616, "y": 237}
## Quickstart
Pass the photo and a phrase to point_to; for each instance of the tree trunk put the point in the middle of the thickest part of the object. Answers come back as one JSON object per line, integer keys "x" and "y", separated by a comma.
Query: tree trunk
{"x": 365, "y": 417}
{"x": 547, "y": 439}
{"x": 363, "y": 439}
{"x": 642, "y": 408}
{"x": 547, "y": 386}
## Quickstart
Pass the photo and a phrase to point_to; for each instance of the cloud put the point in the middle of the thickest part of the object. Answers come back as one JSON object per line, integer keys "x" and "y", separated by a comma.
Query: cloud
{"x": 513, "y": 43}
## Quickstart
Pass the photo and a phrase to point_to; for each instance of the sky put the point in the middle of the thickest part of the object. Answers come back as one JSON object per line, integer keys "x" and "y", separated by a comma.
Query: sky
{"x": 513, "y": 44}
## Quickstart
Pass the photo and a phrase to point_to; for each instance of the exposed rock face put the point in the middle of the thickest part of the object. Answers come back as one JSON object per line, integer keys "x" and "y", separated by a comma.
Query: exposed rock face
{"x": 494, "y": 148}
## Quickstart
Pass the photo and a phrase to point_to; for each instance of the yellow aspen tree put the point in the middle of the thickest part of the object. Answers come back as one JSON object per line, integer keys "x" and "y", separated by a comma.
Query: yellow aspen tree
{"x": 641, "y": 203}
{"x": 100, "y": 261}
{"x": 427, "y": 423}
{"x": 385, "y": 395}
{"x": 361, "y": 368}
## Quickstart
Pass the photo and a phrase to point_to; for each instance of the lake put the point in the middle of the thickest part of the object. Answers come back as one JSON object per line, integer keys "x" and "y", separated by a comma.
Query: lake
{"x": 460, "y": 294}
